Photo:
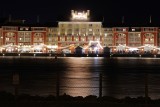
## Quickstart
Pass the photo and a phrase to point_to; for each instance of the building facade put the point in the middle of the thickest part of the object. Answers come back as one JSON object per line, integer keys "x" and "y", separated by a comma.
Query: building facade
{"x": 92, "y": 36}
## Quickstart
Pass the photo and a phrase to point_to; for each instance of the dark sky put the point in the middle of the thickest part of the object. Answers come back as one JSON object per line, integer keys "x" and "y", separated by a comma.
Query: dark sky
{"x": 134, "y": 11}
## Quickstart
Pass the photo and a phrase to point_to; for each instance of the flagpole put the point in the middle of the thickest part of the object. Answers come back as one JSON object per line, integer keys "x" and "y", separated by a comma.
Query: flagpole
{"x": 150, "y": 19}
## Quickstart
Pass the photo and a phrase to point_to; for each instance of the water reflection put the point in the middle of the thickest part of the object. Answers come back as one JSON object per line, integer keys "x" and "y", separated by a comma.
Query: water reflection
{"x": 129, "y": 84}
{"x": 80, "y": 76}
{"x": 78, "y": 79}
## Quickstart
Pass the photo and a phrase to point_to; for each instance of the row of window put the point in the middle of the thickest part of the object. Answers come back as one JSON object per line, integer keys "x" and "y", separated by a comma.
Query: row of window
{"x": 109, "y": 43}
{"x": 10, "y": 28}
{"x": 83, "y": 39}
{"x": 149, "y": 29}
{"x": 134, "y": 39}
{"x": 110, "y": 29}
{"x": 24, "y": 28}
{"x": 121, "y": 29}
{"x": 39, "y": 35}
{"x": 78, "y": 25}
{"x": 23, "y": 39}
{"x": 38, "y": 29}
{"x": 24, "y": 33}
{"x": 77, "y": 30}
{"x": 90, "y": 29}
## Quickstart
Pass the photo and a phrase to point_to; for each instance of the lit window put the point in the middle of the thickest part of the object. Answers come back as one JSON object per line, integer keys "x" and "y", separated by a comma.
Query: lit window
{"x": 7, "y": 39}
{"x": 124, "y": 29}
{"x": 21, "y": 28}
{"x": 27, "y": 28}
{"x": 27, "y": 33}
{"x": 90, "y": 30}
{"x": 139, "y": 35}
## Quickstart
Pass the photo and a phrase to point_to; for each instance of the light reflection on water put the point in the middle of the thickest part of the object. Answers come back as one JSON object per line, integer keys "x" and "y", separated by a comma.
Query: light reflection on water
{"x": 80, "y": 76}
{"x": 80, "y": 79}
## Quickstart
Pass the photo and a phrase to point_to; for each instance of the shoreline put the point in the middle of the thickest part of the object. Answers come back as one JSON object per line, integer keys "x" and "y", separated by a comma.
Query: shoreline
{"x": 79, "y": 55}
{"x": 25, "y": 100}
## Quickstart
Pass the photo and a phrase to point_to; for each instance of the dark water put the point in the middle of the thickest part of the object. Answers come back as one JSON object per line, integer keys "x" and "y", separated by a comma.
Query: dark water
{"x": 80, "y": 76}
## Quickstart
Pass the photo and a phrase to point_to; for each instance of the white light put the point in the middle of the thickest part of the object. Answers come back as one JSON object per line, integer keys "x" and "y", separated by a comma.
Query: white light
{"x": 98, "y": 43}
{"x": 133, "y": 49}
{"x": 95, "y": 48}
{"x": 52, "y": 46}
{"x": 79, "y": 15}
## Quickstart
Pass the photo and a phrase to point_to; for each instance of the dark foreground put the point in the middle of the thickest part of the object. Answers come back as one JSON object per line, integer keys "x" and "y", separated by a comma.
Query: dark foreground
{"x": 9, "y": 100}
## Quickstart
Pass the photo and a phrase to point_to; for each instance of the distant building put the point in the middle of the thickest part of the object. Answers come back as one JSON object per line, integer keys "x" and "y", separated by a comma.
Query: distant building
{"x": 81, "y": 31}
{"x": 1, "y": 37}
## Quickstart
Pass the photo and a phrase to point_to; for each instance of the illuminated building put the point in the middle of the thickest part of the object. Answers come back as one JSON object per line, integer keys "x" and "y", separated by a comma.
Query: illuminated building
{"x": 1, "y": 37}
{"x": 81, "y": 31}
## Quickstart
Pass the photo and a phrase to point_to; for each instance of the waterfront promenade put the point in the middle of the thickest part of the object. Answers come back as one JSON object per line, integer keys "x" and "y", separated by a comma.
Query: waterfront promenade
{"x": 79, "y": 55}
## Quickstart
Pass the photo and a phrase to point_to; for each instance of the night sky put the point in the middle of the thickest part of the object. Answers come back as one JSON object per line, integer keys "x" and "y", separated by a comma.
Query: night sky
{"x": 134, "y": 11}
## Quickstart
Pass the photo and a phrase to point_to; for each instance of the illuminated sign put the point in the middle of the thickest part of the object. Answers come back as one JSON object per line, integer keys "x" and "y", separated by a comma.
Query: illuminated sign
{"x": 80, "y": 15}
